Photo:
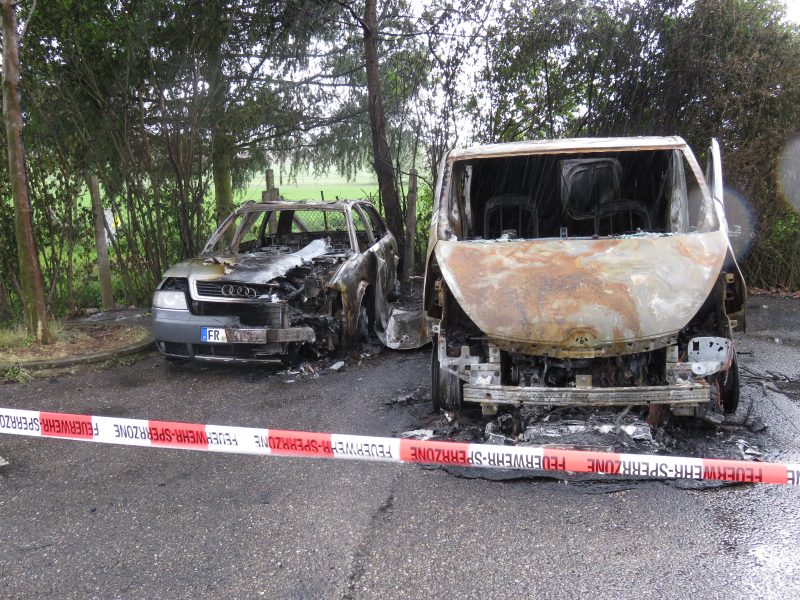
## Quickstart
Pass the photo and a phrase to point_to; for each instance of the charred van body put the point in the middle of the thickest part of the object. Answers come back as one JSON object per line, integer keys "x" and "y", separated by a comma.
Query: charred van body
{"x": 583, "y": 272}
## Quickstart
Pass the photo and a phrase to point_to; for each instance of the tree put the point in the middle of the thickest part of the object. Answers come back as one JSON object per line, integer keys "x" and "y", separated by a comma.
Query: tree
{"x": 31, "y": 282}
{"x": 387, "y": 185}
{"x": 699, "y": 69}
{"x": 381, "y": 156}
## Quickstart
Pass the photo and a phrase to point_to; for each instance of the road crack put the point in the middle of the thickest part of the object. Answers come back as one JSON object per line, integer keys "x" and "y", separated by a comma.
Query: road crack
{"x": 358, "y": 564}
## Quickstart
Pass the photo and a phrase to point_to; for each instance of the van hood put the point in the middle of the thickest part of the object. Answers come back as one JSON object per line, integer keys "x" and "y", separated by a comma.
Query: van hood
{"x": 583, "y": 293}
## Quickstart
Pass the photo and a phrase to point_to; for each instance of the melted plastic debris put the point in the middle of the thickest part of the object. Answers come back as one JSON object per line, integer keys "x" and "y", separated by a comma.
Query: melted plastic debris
{"x": 418, "y": 434}
{"x": 413, "y": 397}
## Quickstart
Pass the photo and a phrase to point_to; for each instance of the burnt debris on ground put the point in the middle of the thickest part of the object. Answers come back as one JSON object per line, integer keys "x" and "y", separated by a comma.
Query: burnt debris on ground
{"x": 597, "y": 429}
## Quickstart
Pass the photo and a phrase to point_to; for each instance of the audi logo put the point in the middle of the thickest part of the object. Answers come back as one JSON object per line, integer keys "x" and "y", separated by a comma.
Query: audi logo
{"x": 241, "y": 291}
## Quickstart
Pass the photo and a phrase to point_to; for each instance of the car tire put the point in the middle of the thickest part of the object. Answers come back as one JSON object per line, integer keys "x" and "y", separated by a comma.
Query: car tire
{"x": 362, "y": 325}
{"x": 447, "y": 390}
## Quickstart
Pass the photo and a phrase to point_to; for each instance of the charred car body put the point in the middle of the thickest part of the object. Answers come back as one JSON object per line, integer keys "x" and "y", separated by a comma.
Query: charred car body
{"x": 277, "y": 278}
{"x": 583, "y": 272}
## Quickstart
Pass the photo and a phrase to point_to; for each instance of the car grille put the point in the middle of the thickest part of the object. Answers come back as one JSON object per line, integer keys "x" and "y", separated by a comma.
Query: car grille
{"x": 213, "y": 289}
{"x": 245, "y": 351}
{"x": 268, "y": 314}
{"x": 174, "y": 348}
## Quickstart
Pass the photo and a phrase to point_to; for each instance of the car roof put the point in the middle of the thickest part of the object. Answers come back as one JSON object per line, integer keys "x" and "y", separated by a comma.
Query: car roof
{"x": 570, "y": 145}
{"x": 301, "y": 205}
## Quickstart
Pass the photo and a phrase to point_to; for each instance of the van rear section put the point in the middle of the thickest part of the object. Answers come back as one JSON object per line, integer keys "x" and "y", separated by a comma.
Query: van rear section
{"x": 582, "y": 273}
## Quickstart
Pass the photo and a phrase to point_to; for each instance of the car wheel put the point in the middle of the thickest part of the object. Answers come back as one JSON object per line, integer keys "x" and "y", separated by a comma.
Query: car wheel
{"x": 729, "y": 391}
{"x": 447, "y": 390}
{"x": 362, "y": 325}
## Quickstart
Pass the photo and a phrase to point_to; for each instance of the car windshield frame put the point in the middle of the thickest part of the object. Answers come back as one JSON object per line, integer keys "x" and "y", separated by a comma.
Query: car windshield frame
{"x": 242, "y": 220}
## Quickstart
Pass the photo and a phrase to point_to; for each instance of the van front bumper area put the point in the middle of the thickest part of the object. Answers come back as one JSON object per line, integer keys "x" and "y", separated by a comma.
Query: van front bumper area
{"x": 675, "y": 395}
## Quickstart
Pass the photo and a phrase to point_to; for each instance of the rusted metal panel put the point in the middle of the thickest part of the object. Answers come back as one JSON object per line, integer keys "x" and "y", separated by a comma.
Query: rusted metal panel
{"x": 583, "y": 293}
{"x": 612, "y": 396}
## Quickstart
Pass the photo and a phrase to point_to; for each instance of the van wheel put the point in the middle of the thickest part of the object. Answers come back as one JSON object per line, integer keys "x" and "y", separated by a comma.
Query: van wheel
{"x": 447, "y": 390}
{"x": 729, "y": 392}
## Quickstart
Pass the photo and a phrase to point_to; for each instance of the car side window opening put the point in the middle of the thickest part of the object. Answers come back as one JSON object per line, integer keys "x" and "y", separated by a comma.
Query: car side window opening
{"x": 248, "y": 235}
{"x": 577, "y": 195}
{"x": 363, "y": 235}
{"x": 236, "y": 232}
{"x": 378, "y": 226}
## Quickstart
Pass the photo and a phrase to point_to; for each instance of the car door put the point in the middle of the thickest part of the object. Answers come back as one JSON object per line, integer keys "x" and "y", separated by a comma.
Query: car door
{"x": 387, "y": 249}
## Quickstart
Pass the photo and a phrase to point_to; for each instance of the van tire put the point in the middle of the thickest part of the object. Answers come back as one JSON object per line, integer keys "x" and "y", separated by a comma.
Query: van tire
{"x": 447, "y": 390}
{"x": 731, "y": 389}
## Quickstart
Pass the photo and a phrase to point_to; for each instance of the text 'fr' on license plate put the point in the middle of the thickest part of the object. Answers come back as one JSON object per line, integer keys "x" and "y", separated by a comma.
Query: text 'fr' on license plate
{"x": 213, "y": 335}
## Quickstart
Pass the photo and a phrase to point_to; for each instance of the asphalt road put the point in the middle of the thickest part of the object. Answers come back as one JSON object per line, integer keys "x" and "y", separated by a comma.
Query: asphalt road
{"x": 85, "y": 520}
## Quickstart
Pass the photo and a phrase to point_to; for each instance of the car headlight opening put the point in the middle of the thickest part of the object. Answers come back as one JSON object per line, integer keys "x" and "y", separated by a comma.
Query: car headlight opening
{"x": 170, "y": 299}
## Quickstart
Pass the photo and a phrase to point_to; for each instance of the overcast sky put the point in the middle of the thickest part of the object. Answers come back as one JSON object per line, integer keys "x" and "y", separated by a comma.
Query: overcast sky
{"x": 793, "y": 10}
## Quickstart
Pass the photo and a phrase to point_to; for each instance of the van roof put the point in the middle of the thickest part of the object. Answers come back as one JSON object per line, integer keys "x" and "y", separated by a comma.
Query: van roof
{"x": 570, "y": 145}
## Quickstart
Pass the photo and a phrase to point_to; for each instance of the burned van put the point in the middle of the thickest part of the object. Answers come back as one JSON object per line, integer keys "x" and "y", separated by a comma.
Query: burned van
{"x": 583, "y": 272}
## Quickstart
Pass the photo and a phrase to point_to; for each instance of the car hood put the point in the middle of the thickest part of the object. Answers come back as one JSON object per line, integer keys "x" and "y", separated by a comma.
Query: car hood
{"x": 255, "y": 267}
{"x": 583, "y": 293}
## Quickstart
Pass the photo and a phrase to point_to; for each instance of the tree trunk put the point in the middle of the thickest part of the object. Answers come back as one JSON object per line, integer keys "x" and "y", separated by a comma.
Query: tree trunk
{"x": 222, "y": 145}
{"x": 221, "y": 151}
{"x": 411, "y": 226}
{"x": 30, "y": 273}
{"x": 103, "y": 267}
{"x": 380, "y": 147}
{"x": 6, "y": 314}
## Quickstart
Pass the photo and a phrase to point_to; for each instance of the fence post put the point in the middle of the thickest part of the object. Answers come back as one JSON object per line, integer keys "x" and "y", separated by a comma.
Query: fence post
{"x": 101, "y": 242}
{"x": 411, "y": 226}
{"x": 271, "y": 195}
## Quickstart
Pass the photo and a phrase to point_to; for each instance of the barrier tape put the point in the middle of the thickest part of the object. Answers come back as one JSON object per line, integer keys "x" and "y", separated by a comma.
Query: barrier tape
{"x": 279, "y": 442}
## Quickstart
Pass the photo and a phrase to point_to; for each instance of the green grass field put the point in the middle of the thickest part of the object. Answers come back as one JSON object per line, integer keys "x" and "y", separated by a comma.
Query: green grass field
{"x": 307, "y": 187}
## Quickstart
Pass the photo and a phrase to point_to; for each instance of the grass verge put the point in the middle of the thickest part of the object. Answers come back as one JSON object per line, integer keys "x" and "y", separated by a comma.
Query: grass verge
{"x": 17, "y": 348}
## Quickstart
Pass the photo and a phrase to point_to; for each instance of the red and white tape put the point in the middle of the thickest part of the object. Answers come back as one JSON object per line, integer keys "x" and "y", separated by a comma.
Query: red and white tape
{"x": 279, "y": 442}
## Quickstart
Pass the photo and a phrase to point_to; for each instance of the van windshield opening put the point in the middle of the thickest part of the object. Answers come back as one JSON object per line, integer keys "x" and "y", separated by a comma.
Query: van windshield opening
{"x": 577, "y": 195}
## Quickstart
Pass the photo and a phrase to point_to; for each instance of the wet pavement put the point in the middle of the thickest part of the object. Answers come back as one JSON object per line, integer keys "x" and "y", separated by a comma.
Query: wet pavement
{"x": 85, "y": 520}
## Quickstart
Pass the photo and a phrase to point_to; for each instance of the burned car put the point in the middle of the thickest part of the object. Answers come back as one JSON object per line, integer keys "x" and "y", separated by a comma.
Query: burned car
{"x": 278, "y": 278}
{"x": 583, "y": 272}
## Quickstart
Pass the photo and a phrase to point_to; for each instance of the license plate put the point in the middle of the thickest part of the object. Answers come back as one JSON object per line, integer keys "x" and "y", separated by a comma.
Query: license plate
{"x": 213, "y": 335}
